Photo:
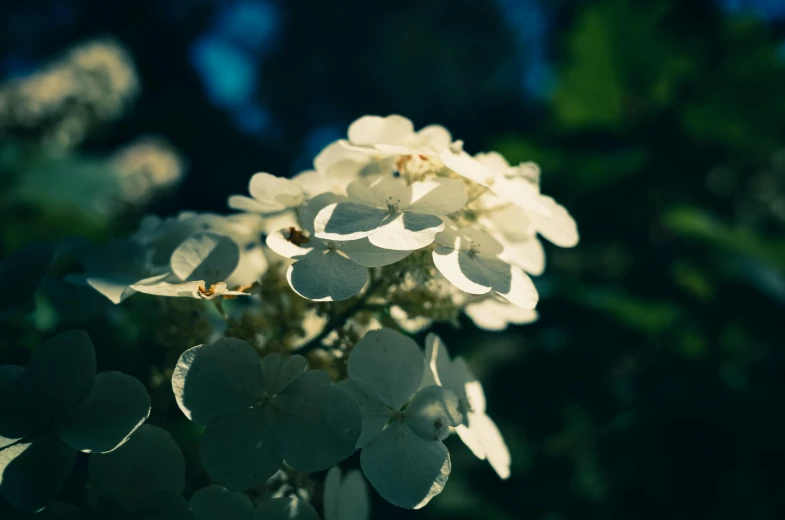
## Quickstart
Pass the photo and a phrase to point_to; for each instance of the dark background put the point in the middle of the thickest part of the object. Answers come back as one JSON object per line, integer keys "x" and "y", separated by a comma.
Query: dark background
{"x": 653, "y": 384}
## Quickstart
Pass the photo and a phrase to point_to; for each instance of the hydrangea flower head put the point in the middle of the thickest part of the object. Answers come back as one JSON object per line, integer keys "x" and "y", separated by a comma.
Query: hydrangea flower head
{"x": 402, "y": 456}
{"x": 258, "y": 412}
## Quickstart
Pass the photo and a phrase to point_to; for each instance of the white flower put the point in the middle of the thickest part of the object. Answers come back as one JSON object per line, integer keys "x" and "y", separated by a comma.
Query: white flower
{"x": 494, "y": 314}
{"x": 512, "y": 188}
{"x": 469, "y": 259}
{"x": 391, "y": 213}
{"x": 345, "y": 498}
{"x": 477, "y": 431}
{"x": 269, "y": 194}
{"x": 162, "y": 237}
{"x": 394, "y": 135}
{"x": 403, "y": 456}
{"x": 259, "y": 412}
{"x": 199, "y": 265}
{"x": 326, "y": 270}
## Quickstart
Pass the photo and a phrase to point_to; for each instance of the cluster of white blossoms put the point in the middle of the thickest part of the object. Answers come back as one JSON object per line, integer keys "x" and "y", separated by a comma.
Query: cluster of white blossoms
{"x": 407, "y": 226}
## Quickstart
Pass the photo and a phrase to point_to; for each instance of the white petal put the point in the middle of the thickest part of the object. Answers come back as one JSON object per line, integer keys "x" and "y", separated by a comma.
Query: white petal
{"x": 444, "y": 371}
{"x": 307, "y": 213}
{"x": 118, "y": 288}
{"x": 407, "y": 232}
{"x": 279, "y": 372}
{"x": 406, "y": 470}
{"x": 496, "y": 451}
{"x": 285, "y": 508}
{"x": 368, "y": 255}
{"x": 371, "y": 130}
{"x": 327, "y": 276}
{"x": 279, "y": 242}
{"x": 375, "y": 414}
{"x": 471, "y": 441}
{"x": 212, "y": 380}
{"x": 216, "y": 502}
{"x": 464, "y": 164}
{"x": 380, "y": 191}
{"x": 389, "y": 363}
{"x": 558, "y": 227}
{"x": 348, "y": 221}
{"x": 150, "y": 462}
{"x": 437, "y": 196}
{"x": 243, "y": 203}
{"x": 175, "y": 290}
{"x": 432, "y": 411}
{"x": 493, "y": 161}
{"x": 462, "y": 270}
{"x": 432, "y": 137}
{"x": 492, "y": 314}
{"x": 239, "y": 450}
{"x": 205, "y": 256}
{"x": 274, "y": 192}
{"x": 520, "y": 192}
{"x": 317, "y": 424}
{"x": 117, "y": 405}
{"x": 528, "y": 255}
{"x": 510, "y": 282}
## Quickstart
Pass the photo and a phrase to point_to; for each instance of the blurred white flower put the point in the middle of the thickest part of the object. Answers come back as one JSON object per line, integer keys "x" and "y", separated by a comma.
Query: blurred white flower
{"x": 494, "y": 314}
{"x": 345, "y": 497}
{"x": 269, "y": 194}
{"x": 477, "y": 430}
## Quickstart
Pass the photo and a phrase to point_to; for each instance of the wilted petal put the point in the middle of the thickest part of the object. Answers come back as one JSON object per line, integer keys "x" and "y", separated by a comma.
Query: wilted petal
{"x": 389, "y": 363}
{"x": 239, "y": 450}
{"x": 406, "y": 470}
{"x": 327, "y": 276}
{"x": 213, "y": 380}
{"x": 317, "y": 423}
{"x": 32, "y": 473}
{"x": 218, "y": 503}
{"x": 117, "y": 405}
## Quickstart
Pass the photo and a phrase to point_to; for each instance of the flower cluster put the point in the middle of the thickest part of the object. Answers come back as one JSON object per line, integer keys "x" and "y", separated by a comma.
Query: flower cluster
{"x": 396, "y": 228}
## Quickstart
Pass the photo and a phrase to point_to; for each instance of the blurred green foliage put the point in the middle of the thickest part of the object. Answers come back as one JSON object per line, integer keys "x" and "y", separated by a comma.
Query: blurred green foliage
{"x": 651, "y": 386}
